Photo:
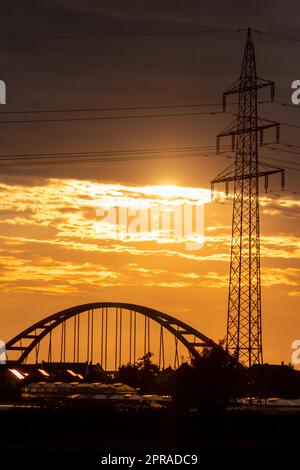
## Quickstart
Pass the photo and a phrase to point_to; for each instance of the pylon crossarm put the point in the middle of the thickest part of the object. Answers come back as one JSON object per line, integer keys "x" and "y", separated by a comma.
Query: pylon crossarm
{"x": 236, "y": 87}
{"x": 246, "y": 176}
{"x": 237, "y": 131}
{"x": 228, "y": 172}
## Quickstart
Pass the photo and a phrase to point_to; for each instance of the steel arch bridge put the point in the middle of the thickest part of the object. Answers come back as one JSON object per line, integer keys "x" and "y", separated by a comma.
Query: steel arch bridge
{"x": 29, "y": 340}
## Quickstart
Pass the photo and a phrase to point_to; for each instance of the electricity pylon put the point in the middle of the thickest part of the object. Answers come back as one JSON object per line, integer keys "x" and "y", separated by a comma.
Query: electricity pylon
{"x": 244, "y": 323}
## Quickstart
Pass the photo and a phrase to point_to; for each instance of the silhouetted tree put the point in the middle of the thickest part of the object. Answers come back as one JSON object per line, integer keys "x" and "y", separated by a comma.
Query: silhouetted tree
{"x": 141, "y": 375}
{"x": 276, "y": 381}
{"x": 207, "y": 382}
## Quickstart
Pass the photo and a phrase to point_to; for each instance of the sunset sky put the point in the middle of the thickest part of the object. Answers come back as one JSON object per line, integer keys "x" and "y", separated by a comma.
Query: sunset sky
{"x": 55, "y": 250}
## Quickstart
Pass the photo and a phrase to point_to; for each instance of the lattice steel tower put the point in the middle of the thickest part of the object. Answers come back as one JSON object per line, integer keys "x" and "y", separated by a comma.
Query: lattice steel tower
{"x": 244, "y": 323}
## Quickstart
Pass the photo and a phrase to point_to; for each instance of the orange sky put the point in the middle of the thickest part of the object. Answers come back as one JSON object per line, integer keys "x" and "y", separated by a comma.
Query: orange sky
{"x": 56, "y": 252}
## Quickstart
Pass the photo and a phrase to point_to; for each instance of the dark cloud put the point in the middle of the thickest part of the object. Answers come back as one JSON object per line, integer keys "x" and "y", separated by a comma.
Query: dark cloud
{"x": 132, "y": 72}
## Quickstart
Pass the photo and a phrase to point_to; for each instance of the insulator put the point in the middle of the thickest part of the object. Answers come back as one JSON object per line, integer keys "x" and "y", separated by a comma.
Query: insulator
{"x": 226, "y": 188}
{"x": 277, "y": 134}
{"x": 218, "y": 145}
{"x": 233, "y": 142}
{"x": 261, "y": 137}
{"x": 272, "y": 91}
{"x": 224, "y": 103}
{"x": 266, "y": 182}
{"x": 282, "y": 180}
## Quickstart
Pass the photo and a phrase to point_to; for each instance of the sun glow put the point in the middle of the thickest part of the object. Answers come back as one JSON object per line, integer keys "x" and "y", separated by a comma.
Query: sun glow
{"x": 111, "y": 194}
{"x": 76, "y": 251}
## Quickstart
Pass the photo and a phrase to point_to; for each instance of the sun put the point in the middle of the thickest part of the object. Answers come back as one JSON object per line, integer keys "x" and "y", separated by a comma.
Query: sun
{"x": 178, "y": 192}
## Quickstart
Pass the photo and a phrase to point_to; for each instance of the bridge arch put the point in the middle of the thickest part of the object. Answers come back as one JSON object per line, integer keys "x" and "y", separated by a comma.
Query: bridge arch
{"x": 23, "y": 344}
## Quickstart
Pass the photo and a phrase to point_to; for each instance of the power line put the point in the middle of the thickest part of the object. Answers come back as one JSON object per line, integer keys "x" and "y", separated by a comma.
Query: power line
{"x": 275, "y": 35}
{"x": 109, "y": 153}
{"x": 283, "y": 123}
{"x": 287, "y": 145}
{"x": 100, "y": 118}
{"x": 144, "y": 34}
{"x": 288, "y": 124}
{"x": 118, "y": 117}
{"x": 292, "y": 192}
{"x": 125, "y": 108}
{"x": 111, "y": 108}
{"x": 279, "y": 208}
{"x": 120, "y": 35}
{"x": 285, "y": 209}
{"x": 290, "y": 105}
{"x": 114, "y": 152}
{"x": 267, "y": 159}
{"x": 285, "y": 151}
{"x": 123, "y": 155}
{"x": 279, "y": 190}
{"x": 106, "y": 155}
{"x": 281, "y": 103}
{"x": 95, "y": 159}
